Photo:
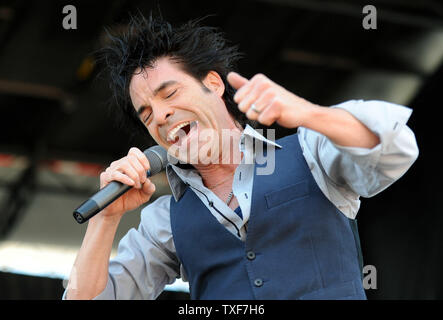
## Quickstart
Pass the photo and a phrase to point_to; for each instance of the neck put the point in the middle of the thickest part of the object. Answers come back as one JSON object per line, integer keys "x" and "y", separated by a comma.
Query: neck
{"x": 222, "y": 173}
{"x": 216, "y": 174}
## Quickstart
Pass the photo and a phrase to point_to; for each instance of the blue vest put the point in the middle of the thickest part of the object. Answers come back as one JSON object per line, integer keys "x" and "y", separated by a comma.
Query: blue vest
{"x": 298, "y": 244}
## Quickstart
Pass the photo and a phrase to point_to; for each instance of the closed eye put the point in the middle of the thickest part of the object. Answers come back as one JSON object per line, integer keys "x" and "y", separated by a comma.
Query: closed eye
{"x": 173, "y": 92}
{"x": 145, "y": 114}
{"x": 147, "y": 118}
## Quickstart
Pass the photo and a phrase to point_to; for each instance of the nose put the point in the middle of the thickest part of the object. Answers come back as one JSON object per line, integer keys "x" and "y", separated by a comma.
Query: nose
{"x": 162, "y": 114}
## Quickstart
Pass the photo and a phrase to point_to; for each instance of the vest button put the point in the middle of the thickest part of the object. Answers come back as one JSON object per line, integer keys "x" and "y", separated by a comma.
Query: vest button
{"x": 258, "y": 282}
{"x": 250, "y": 255}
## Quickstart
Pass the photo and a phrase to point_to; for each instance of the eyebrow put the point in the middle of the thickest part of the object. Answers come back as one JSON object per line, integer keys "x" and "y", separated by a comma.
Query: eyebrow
{"x": 161, "y": 87}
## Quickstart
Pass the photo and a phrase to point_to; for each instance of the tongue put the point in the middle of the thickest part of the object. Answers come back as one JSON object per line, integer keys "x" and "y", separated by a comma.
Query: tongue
{"x": 182, "y": 133}
{"x": 186, "y": 129}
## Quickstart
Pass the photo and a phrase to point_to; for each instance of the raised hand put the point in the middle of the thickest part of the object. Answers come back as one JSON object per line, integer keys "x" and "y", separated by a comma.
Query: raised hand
{"x": 267, "y": 102}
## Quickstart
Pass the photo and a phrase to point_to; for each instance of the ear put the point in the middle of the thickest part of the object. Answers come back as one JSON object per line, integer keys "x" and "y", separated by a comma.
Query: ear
{"x": 214, "y": 82}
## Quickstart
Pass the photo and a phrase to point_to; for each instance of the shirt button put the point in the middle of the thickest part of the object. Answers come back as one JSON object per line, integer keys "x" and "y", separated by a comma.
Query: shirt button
{"x": 258, "y": 282}
{"x": 250, "y": 255}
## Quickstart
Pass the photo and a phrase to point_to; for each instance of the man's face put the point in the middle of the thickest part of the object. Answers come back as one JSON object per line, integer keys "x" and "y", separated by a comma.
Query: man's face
{"x": 177, "y": 109}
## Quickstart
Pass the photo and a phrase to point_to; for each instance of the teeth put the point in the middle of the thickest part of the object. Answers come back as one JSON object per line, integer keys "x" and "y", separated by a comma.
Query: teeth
{"x": 171, "y": 136}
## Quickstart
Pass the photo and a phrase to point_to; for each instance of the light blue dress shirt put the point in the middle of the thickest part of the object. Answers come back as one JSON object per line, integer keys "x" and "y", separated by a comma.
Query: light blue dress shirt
{"x": 146, "y": 260}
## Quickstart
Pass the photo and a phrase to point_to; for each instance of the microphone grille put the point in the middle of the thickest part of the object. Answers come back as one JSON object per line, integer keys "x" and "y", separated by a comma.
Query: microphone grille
{"x": 158, "y": 158}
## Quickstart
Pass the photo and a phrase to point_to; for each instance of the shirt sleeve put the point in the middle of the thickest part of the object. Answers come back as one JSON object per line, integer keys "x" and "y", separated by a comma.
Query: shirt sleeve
{"x": 362, "y": 171}
{"x": 146, "y": 259}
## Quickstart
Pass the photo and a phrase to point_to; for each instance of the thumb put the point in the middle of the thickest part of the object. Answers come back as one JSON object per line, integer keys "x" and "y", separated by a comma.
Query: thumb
{"x": 236, "y": 80}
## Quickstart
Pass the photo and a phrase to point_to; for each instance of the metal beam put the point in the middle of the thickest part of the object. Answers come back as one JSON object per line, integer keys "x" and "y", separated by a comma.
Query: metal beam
{"x": 353, "y": 10}
{"x": 321, "y": 60}
{"x": 20, "y": 195}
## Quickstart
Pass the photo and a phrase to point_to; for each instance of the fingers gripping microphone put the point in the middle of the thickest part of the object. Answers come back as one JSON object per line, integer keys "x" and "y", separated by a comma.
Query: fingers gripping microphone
{"x": 158, "y": 159}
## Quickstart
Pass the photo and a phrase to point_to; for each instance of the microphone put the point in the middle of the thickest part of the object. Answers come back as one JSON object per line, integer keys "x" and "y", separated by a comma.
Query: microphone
{"x": 158, "y": 158}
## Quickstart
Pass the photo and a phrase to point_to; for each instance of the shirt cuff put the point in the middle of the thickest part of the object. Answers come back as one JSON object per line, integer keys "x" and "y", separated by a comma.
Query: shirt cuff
{"x": 385, "y": 119}
{"x": 381, "y": 117}
{"x": 106, "y": 294}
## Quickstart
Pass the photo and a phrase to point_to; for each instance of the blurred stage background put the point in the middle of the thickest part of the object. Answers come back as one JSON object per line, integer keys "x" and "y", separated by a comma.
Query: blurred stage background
{"x": 56, "y": 134}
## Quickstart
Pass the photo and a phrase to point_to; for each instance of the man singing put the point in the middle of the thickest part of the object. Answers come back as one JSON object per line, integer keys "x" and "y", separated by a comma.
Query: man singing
{"x": 228, "y": 230}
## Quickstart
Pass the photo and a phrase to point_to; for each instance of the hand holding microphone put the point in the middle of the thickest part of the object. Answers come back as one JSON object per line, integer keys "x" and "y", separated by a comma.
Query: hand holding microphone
{"x": 124, "y": 184}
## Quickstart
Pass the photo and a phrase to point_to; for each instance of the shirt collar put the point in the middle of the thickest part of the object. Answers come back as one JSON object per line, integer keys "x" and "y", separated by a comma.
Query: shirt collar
{"x": 178, "y": 175}
{"x": 251, "y": 132}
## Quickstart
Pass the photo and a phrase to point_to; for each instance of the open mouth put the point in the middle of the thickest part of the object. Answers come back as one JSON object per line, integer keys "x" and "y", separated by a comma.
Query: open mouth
{"x": 181, "y": 131}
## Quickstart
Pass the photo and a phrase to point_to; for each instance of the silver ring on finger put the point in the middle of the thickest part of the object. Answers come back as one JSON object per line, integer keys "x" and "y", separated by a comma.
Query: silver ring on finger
{"x": 254, "y": 108}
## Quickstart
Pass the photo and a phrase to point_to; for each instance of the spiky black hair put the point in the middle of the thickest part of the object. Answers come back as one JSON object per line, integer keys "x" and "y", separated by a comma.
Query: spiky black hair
{"x": 198, "y": 50}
